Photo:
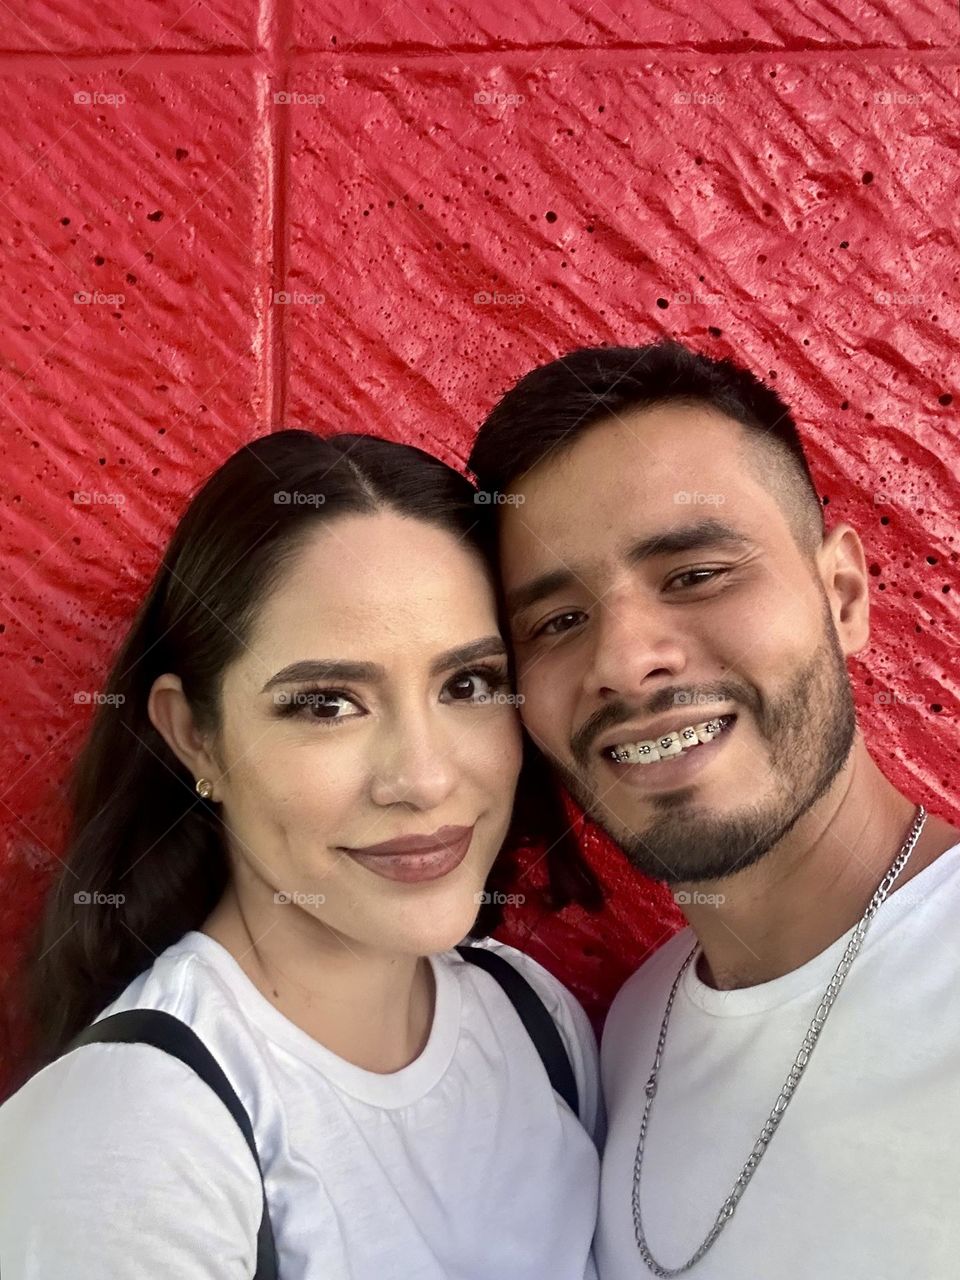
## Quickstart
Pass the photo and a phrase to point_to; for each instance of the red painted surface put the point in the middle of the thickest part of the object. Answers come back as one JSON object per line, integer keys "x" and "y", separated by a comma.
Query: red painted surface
{"x": 796, "y": 209}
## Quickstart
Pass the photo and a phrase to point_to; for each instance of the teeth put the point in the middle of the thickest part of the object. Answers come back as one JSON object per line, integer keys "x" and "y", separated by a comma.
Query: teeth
{"x": 669, "y": 744}
{"x": 707, "y": 731}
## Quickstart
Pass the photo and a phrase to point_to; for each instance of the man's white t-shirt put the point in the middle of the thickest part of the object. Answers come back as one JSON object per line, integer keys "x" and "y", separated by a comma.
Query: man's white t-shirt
{"x": 861, "y": 1180}
{"x": 117, "y": 1161}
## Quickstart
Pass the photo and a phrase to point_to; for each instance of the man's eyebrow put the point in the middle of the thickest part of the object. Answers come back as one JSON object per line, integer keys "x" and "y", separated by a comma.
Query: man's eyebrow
{"x": 689, "y": 537}
{"x": 312, "y": 669}
{"x": 537, "y": 589}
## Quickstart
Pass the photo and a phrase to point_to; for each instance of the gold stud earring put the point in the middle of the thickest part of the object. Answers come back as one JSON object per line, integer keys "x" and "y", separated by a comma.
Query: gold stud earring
{"x": 204, "y": 788}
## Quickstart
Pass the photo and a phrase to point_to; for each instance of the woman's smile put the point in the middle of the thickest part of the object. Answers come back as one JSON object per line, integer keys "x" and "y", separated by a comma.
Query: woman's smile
{"x": 416, "y": 858}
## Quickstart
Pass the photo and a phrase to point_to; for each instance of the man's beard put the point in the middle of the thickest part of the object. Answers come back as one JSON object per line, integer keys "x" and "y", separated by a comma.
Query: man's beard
{"x": 809, "y": 731}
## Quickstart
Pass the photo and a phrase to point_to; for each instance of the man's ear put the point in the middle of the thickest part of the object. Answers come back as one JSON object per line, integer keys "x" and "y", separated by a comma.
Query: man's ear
{"x": 171, "y": 716}
{"x": 842, "y": 567}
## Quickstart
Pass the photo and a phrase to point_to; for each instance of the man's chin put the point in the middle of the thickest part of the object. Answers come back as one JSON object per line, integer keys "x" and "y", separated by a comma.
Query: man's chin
{"x": 696, "y": 844}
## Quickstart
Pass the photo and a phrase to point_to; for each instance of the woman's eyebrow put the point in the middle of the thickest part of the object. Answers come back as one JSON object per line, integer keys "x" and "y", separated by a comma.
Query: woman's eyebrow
{"x": 488, "y": 647}
{"x": 369, "y": 672}
{"x": 324, "y": 669}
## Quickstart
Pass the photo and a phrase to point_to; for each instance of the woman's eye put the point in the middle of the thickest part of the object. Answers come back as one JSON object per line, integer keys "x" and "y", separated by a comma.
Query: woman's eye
{"x": 476, "y": 686}
{"x": 558, "y": 625}
{"x": 318, "y": 704}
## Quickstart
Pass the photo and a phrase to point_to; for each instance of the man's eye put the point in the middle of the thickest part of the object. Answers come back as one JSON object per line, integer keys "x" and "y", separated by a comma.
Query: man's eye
{"x": 697, "y": 573}
{"x": 561, "y": 623}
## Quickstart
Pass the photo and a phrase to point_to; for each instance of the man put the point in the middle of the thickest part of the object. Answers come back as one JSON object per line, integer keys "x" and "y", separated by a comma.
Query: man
{"x": 681, "y": 621}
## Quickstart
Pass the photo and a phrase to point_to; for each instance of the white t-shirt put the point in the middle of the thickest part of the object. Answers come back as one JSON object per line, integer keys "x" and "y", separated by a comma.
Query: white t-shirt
{"x": 862, "y": 1178}
{"x": 117, "y": 1161}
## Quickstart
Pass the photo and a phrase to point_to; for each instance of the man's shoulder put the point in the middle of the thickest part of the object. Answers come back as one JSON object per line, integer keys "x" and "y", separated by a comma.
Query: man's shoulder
{"x": 643, "y": 994}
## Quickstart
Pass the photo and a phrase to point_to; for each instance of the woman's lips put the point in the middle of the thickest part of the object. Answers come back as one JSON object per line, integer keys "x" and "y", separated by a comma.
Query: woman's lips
{"x": 412, "y": 859}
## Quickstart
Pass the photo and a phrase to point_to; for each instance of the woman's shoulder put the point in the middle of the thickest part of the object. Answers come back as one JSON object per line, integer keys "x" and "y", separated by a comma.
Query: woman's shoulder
{"x": 555, "y": 995}
{"x": 184, "y": 980}
{"x": 568, "y": 1015}
{"x": 130, "y": 1089}
{"x": 123, "y": 1124}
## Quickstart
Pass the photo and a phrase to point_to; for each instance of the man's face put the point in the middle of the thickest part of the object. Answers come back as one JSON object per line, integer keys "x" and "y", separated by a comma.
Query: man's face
{"x": 637, "y": 633}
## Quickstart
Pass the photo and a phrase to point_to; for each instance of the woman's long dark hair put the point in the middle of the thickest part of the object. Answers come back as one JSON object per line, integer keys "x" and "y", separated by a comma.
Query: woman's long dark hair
{"x": 138, "y": 827}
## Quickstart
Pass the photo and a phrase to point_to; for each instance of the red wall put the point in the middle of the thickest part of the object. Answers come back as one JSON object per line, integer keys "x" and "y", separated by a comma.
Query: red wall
{"x": 775, "y": 182}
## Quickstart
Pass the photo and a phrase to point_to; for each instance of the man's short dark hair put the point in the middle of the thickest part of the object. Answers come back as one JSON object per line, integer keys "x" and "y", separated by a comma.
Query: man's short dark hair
{"x": 553, "y": 405}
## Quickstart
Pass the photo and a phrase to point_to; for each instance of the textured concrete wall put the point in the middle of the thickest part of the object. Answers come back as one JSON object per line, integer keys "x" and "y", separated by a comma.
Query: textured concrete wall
{"x": 775, "y": 182}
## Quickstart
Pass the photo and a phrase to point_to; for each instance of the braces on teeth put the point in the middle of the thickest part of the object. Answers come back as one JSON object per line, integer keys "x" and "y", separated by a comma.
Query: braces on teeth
{"x": 669, "y": 744}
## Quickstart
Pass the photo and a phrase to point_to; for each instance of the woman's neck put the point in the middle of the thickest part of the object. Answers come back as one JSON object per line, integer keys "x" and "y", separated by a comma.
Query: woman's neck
{"x": 370, "y": 1008}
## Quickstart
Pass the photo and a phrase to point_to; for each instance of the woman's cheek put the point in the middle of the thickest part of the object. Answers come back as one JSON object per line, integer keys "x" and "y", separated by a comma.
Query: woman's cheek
{"x": 310, "y": 791}
{"x": 494, "y": 753}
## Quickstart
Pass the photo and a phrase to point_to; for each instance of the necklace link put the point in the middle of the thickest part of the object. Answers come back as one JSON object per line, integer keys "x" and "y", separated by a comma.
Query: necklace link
{"x": 790, "y": 1084}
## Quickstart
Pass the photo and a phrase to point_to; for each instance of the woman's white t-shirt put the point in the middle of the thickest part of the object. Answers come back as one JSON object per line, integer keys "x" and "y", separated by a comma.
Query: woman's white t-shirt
{"x": 117, "y": 1161}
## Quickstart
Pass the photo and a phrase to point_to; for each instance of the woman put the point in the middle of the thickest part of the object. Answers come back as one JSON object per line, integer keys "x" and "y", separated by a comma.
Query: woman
{"x": 285, "y": 818}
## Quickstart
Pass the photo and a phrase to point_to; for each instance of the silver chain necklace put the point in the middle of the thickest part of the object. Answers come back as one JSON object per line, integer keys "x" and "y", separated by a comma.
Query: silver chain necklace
{"x": 792, "y": 1080}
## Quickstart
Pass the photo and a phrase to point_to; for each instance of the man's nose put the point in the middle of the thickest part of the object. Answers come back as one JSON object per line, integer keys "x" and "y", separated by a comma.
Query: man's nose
{"x": 635, "y": 641}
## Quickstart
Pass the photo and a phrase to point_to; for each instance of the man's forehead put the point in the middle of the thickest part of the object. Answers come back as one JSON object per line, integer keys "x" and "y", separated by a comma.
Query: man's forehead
{"x": 641, "y": 450}
{"x": 615, "y": 495}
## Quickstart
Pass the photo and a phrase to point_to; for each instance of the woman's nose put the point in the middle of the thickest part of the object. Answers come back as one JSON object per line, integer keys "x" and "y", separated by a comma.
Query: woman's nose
{"x": 416, "y": 766}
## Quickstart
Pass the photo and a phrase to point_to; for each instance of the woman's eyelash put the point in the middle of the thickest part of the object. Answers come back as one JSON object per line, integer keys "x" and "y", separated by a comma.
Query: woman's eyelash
{"x": 299, "y": 702}
{"x": 303, "y": 702}
{"x": 496, "y": 677}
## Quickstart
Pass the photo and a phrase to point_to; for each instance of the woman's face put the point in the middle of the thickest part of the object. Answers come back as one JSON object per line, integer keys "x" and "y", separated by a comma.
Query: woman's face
{"x": 404, "y": 727}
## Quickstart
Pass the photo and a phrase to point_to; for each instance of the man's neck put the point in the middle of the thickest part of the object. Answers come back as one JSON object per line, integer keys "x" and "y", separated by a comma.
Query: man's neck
{"x": 813, "y": 886}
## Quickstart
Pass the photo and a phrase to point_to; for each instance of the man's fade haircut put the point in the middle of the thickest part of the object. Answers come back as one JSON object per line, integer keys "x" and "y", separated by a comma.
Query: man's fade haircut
{"x": 553, "y": 405}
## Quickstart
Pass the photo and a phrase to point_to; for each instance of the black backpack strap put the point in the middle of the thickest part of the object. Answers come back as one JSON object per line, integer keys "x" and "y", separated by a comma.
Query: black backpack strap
{"x": 164, "y": 1031}
{"x": 535, "y": 1017}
